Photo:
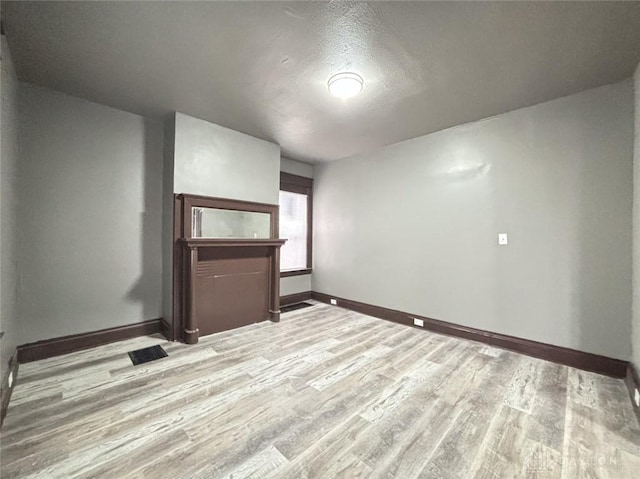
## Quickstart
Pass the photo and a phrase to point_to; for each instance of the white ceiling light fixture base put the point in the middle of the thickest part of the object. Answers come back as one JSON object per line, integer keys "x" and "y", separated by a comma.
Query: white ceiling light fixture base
{"x": 345, "y": 84}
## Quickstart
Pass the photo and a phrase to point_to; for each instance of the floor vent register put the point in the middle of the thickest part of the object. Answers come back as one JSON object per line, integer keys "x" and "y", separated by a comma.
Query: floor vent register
{"x": 293, "y": 307}
{"x": 146, "y": 355}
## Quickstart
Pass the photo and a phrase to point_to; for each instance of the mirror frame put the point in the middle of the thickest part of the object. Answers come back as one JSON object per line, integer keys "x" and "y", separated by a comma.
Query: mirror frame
{"x": 201, "y": 216}
{"x": 188, "y": 202}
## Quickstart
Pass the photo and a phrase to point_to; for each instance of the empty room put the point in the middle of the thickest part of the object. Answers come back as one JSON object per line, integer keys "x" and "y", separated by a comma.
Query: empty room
{"x": 264, "y": 239}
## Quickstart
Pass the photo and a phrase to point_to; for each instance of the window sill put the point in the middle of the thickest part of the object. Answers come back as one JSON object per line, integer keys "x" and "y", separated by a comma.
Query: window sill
{"x": 297, "y": 272}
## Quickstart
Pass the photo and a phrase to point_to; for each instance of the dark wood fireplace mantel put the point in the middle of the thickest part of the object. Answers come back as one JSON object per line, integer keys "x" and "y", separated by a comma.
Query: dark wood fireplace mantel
{"x": 223, "y": 283}
{"x": 237, "y": 251}
{"x": 229, "y": 242}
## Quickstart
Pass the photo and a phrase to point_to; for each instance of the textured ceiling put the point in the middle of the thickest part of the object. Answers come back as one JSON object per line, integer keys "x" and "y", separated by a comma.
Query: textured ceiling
{"x": 261, "y": 67}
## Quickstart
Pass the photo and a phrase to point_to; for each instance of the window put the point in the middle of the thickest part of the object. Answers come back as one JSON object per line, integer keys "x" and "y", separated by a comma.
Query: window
{"x": 295, "y": 224}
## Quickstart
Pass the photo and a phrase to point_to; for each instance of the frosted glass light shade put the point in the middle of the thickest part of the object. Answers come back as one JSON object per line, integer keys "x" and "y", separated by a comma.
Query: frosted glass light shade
{"x": 345, "y": 85}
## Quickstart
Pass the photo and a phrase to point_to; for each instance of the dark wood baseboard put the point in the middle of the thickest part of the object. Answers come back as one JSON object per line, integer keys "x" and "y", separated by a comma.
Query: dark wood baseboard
{"x": 68, "y": 344}
{"x": 294, "y": 298}
{"x": 5, "y": 389}
{"x": 166, "y": 330}
{"x": 633, "y": 382}
{"x": 570, "y": 357}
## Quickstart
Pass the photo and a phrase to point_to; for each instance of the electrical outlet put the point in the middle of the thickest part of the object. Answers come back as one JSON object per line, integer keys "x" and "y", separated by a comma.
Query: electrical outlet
{"x": 636, "y": 397}
{"x": 11, "y": 380}
{"x": 334, "y": 301}
{"x": 418, "y": 322}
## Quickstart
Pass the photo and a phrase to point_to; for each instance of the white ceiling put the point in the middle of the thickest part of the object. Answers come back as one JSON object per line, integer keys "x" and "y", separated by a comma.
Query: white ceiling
{"x": 261, "y": 67}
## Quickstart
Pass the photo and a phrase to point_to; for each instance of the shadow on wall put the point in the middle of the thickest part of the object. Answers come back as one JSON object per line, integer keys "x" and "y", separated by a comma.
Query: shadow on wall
{"x": 148, "y": 288}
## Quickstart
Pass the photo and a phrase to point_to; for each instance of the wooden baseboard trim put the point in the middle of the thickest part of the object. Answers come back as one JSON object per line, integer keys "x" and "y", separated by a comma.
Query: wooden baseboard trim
{"x": 295, "y": 298}
{"x": 4, "y": 387}
{"x": 570, "y": 357}
{"x": 166, "y": 330}
{"x": 633, "y": 382}
{"x": 69, "y": 344}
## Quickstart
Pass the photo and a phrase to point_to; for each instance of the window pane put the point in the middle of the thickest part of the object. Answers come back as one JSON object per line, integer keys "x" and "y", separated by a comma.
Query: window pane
{"x": 293, "y": 227}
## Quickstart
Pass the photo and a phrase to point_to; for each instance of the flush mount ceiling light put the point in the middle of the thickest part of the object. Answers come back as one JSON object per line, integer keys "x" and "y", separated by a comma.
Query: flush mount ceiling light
{"x": 345, "y": 84}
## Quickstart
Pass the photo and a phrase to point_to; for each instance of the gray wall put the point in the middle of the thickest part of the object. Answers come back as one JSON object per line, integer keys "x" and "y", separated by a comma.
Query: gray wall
{"x": 8, "y": 208}
{"x": 414, "y": 226}
{"x": 90, "y": 212}
{"x": 295, "y": 284}
{"x": 168, "y": 152}
{"x": 215, "y": 161}
{"x": 635, "y": 326}
{"x": 296, "y": 167}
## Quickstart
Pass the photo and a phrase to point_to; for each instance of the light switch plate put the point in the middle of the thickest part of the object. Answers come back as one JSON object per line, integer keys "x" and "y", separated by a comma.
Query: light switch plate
{"x": 503, "y": 239}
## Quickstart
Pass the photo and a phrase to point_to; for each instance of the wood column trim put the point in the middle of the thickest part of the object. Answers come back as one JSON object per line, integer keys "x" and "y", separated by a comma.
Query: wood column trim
{"x": 191, "y": 329}
{"x": 178, "y": 263}
{"x": 274, "y": 302}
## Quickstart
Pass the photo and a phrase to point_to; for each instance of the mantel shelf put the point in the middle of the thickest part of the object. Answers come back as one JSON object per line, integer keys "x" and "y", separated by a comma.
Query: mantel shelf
{"x": 227, "y": 242}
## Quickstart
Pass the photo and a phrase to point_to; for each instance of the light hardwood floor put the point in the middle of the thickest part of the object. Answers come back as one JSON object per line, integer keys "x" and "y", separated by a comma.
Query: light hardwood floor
{"x": 325, "y": 393}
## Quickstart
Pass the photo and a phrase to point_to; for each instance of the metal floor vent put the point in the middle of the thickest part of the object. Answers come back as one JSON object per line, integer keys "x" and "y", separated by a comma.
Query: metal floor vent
{"x": 293, "y": 307}
{"x": 145, "y": 355}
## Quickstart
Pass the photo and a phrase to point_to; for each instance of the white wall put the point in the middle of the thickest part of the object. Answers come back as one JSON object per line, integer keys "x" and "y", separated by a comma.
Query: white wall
{"x": 635, "y": 326}
{"x": 211, "y": 160}
{"x": 90, "y": 216}
{"x": 302, "y": 283}
{"x": 8, "y": 208}
{"x": 414, "y": 226}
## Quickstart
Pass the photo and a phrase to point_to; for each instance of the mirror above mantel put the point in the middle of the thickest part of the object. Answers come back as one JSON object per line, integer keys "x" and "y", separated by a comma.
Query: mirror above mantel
{"x": 209, "y": 217}
{"x": 225, "y": 223}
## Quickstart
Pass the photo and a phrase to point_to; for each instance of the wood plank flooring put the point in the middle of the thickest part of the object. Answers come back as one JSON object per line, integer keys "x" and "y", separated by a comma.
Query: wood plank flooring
{"x": 325, "y": 393}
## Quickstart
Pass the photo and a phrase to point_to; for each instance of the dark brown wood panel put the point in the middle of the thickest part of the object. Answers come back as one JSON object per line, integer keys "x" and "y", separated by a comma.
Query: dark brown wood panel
{"x": 289, "y": 181}
{"x": 570, "y": 357}
{"x": 69, "y": 344}
{"x": 232, "y": 288}
{"x": 228, "y": 283}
